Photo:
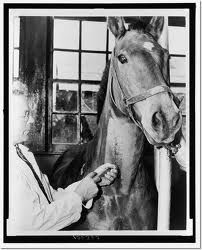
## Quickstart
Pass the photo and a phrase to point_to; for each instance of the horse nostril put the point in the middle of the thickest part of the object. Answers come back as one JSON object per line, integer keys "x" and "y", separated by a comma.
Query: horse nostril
{"x": 156, "y": 119}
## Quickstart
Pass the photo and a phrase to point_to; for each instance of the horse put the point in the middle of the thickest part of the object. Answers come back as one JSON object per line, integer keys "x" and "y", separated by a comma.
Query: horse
{"x": 138, "y": 104}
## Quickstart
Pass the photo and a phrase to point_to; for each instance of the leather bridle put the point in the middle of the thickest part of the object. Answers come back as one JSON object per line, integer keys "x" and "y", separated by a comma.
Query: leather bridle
{"x": 131, "y": 100}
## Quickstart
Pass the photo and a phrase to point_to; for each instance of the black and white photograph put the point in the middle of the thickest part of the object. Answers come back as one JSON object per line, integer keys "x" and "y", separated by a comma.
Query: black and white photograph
{"x": 99, "y": 104}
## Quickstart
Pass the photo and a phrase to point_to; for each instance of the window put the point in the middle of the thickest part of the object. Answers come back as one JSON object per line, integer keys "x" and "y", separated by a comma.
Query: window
{"x": 80, "y": 51}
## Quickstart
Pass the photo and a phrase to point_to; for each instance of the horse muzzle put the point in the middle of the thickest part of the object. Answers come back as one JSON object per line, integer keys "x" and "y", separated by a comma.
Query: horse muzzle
{"x": 162, "y": 130}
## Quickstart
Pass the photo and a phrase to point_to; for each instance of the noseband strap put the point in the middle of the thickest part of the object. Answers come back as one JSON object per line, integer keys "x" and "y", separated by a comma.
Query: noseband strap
{"x": 151, "y": 92}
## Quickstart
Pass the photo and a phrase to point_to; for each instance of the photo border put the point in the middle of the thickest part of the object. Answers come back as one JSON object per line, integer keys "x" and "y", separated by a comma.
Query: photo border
{"x": 103, "y": 238}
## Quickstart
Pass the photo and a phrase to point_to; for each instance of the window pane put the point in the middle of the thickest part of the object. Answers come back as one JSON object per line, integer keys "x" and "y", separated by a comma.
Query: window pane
{"x": 111, "y": 41}
{"x": 89, "y": 97}
{"x": 177, "y": 40}
{"x": 94, "y": 35}
{"x": 88, "y": 127}
{"x": 16, "y": 63}
{"x": 16, "y": 31}
{"x": 66, "y": 34}
{"x": 92, "y": 66}
{"x": 177, "y": 69}
{"x": 65, "y": 65}
{"x": 65, "y": 96}
{"x": 64, "y": 129}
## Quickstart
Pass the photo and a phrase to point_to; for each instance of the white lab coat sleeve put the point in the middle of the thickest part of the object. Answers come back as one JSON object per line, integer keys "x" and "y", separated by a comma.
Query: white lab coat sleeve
{"x": 59, "y": 214}
{"x": 31, "y": 213}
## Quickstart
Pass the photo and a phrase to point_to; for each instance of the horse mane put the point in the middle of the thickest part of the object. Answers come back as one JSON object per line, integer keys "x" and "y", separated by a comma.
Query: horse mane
{"x": 101, "y": 94}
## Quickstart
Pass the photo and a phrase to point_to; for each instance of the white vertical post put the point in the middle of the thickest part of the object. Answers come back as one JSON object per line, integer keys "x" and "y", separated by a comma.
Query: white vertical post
{"x": 164, "y": 190}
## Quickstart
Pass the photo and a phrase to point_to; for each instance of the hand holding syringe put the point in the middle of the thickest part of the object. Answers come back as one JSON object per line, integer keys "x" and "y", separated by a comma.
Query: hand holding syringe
{"x": 107, "y": 173}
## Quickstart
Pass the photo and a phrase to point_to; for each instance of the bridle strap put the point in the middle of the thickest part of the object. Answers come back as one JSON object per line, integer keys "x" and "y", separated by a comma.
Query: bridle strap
{"x": 127, "y": 108}
{"x": 151, "y": 92}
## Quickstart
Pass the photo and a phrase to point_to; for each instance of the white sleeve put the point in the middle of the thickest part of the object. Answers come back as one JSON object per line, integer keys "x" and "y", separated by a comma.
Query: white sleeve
{"x": 59, "y": 214}
{"x": 31, "y": 214}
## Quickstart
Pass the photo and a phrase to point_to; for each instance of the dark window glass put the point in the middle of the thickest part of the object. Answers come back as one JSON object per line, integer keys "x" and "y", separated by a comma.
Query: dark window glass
{"x": 89, "y": 97}
{"x": 88, "y": 127}
{"x": 64, "y": 129}
{"x": 65, "y": 96}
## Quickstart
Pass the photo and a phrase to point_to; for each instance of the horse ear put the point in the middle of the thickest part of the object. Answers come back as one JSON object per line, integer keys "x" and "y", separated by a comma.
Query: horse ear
{"x": 116, "y": 25}
{"x": 155, "y": 27}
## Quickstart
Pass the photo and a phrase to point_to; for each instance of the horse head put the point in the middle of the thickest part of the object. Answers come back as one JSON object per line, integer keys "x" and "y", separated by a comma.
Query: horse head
{"x": 140, "y": 67}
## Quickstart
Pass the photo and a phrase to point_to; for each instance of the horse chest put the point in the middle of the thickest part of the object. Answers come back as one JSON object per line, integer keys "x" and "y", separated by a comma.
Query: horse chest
{"x": 122, "y": 205}
{"x": 122, "y": 212}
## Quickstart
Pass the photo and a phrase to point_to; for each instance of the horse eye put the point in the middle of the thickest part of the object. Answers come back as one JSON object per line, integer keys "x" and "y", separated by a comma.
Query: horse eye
{"x": 122, "y": 59}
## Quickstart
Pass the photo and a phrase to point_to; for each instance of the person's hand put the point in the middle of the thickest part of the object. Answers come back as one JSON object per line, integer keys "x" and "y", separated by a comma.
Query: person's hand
{"x": 87, "y": 188}
{"x": 108, "y": 173}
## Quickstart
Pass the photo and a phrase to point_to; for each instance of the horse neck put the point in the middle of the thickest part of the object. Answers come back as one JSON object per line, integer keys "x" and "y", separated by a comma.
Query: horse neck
{"x": 119, "y": 141}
